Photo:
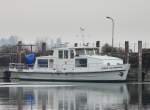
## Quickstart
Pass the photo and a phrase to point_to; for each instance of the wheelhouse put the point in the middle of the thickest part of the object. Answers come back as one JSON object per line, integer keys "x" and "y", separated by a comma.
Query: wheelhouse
{"x": 86, "y": 51}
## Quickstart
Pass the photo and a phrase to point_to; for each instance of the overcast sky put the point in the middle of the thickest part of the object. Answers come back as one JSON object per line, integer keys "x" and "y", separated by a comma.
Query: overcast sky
{"x": 35, "y": 19}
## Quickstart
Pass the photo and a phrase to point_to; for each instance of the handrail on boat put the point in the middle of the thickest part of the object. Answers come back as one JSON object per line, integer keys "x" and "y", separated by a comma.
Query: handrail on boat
{"x": 20, "y": 66}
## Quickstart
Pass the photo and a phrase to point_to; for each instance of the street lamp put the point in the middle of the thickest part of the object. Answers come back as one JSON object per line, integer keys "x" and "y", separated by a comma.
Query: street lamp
{"x": 113, "y": 25}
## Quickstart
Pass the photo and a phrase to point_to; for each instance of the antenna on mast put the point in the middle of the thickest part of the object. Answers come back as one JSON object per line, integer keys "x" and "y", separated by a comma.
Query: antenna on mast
{"x": 82, "y": 33}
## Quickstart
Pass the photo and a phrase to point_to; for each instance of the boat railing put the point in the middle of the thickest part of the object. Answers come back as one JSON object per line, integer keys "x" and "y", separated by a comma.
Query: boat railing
{"x": 96, "y": 65}
{"x": 118, "y": 66}
{"x": 20, "y": 66}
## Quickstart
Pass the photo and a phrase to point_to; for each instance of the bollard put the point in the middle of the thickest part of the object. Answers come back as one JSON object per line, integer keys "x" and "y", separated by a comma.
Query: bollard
{"x": 140, "y": 61}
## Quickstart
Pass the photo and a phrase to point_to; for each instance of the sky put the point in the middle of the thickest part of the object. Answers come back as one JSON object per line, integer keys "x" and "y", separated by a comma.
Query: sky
{"x": 32, "y": 20}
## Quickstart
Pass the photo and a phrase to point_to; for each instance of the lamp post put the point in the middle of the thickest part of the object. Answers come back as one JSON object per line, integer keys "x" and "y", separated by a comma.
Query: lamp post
{"x": 113, "y": 25}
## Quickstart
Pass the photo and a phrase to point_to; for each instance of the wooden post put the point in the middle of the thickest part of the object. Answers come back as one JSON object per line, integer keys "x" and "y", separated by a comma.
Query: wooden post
{"x": 140, "y": 61}
{"x": 31, "y": 48}
{"x": 19, "y": 51}
{"x": 43, "y": 48}
{"x": 98, "y": 46}
{"x": 126, "y": 51}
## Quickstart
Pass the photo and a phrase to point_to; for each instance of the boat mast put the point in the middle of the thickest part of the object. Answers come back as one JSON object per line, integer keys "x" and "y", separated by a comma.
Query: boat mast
{"x": 82, "y": 36}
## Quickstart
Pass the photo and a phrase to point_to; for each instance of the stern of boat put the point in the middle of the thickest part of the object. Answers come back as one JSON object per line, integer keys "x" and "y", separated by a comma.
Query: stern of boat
{"x": 126, "y": 71}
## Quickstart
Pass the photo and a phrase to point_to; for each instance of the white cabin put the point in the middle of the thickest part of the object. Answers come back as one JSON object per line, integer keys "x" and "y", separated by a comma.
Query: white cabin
{"x": 76, "y": 59}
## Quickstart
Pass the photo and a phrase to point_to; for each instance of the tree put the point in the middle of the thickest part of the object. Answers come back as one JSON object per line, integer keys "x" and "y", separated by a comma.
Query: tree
{"x": 107, "y": 49}
{"x": 12, "y": 40}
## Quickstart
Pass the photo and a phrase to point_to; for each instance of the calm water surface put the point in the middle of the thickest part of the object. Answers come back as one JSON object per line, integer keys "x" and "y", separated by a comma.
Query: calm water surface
{"x": 74, "y": 96}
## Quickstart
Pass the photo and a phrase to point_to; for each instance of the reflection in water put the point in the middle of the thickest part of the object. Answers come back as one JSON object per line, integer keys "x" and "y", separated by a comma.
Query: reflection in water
{"x": 92, "y": 97}
{"x": 140, "y": 96}
{"x": 95, "y": 96}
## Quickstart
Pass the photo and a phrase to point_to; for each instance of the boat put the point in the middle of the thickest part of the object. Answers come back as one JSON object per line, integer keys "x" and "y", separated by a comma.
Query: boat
{"x": 72, "y": 63}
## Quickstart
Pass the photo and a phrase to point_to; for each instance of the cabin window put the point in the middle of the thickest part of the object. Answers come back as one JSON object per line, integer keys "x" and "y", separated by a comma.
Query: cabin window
{"x": 42, "y": 62}
{"x": 80, "y": 52}
{"x": 90, "y": 51}
{"x": 51, "y": 63}
{"x": 51, "y": 52}
{"x": 65, "y": 54}
{"x": 97, "y": 51}
{"x": 60, "y": 54}
{"x": 71, "y": 54}
{"x": 81, "y": 62}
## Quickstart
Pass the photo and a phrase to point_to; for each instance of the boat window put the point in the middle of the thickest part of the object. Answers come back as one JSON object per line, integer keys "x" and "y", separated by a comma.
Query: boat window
{"x": 96, "y": 51}
{"x": 51, "y": 62}
{"x": 80, "y": 52}
{"x": 81, "y": 62}
{"x": 60, "y": 54}
{"x": 90, "y": 51}
{"x": 42, "y": 62}
{"x": 71, "y": 54}
{"x": 51, "y": 52}
{"x": 65, "y": 54}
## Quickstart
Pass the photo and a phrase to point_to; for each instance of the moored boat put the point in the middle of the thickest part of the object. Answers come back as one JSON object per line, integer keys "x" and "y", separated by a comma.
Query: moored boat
{"x": 77, "y": 63}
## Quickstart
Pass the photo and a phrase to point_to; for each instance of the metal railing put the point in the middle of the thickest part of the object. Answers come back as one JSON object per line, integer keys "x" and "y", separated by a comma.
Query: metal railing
{"x": 20, "y": 66}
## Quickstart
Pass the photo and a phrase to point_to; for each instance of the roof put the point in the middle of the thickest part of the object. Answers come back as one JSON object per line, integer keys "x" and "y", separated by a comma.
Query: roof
{"x": 67, "y": 48}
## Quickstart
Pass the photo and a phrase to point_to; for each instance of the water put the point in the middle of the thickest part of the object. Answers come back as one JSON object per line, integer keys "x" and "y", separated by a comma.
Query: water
{"x": 74, "y": 96}
{"x": 19, "y": 95}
